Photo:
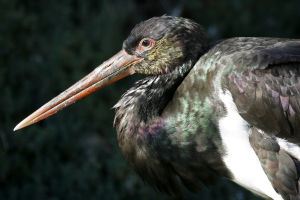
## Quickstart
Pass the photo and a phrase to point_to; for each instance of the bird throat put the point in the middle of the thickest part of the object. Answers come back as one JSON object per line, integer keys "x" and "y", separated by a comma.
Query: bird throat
{"x": 149, "y": 96}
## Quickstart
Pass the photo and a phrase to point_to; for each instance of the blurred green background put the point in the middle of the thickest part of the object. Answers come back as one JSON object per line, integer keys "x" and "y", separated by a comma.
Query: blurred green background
{"x": 45, "y": 46}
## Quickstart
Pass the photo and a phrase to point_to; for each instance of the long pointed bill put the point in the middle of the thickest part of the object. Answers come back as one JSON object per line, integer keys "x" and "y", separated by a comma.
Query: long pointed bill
{"x": 114, "y": 69}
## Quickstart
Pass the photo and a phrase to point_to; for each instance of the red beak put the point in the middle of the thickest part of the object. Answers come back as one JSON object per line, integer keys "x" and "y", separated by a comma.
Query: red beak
{"x": 114, "y": 69}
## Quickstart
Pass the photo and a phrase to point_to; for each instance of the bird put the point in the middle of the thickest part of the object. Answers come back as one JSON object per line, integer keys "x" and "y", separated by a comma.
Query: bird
{"x": 202, "y": 112}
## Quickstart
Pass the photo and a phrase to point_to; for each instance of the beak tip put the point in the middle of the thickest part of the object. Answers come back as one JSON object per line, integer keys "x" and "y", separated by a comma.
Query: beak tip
{"x": 21, "y": 125}
{"x": 17, "y": 127}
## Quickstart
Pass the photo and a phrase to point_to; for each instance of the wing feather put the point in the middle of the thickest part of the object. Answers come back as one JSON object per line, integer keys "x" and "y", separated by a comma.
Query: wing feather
{"x": 264, "y": 80}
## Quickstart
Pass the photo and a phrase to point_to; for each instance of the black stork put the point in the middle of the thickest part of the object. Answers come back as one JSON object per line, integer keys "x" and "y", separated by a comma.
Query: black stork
{"x": 231, "y": 110}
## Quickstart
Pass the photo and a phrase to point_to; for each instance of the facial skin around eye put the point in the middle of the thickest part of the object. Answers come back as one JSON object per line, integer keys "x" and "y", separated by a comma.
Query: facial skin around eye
{"x": 144, "y": 45}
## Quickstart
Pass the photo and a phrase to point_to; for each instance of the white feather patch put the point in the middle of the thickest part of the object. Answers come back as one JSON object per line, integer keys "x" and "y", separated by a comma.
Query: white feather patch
{"x": 291, "y": 148}
{"x": 240, "y": 158}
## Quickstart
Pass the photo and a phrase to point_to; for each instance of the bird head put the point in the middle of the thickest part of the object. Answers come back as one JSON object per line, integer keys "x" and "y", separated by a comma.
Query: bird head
{"x": 164, "y": 43}
{"x": 154, "y": 47}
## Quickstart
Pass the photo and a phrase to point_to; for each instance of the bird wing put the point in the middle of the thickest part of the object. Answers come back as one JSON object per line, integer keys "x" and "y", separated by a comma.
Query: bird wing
{"x": 280, "y": 167}
{"x": 263, "y": 76}
{"x": 264, "y": 80}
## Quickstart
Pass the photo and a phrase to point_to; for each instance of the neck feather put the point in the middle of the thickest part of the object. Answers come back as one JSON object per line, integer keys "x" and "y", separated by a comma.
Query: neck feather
{"x": 149, "y": 96}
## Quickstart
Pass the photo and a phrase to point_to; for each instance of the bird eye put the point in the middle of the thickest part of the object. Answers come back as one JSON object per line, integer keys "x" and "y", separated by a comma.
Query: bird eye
{"x": 146, "y": 43}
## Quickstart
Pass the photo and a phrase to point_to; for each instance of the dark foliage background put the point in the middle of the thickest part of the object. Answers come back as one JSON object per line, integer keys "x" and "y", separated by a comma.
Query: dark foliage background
{"x": 45, "y": 46}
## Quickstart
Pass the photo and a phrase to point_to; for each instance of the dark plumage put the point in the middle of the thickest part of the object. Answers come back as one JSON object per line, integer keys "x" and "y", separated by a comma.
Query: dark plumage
{"x": 201, "y": 113}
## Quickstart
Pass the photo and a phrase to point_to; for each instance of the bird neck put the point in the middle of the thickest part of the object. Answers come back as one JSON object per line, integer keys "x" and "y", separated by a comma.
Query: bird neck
{"x": 159, "y": 92}
{"x": 149, "y": 96}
